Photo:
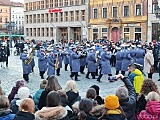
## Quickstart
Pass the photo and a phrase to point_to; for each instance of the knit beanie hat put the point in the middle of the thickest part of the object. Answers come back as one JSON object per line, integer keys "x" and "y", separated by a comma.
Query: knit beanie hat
{"x": 122, "y": 92}
{"x": 19, "y": 83}
{"x": 111, "y": 102}
{"x": 85, "y": 105}
{"x": 23, "y": 92}
{"x": 43, "y": 84}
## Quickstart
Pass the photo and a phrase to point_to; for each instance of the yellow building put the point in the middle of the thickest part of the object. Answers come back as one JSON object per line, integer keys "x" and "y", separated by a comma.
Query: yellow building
{"x": 118, "y": 19}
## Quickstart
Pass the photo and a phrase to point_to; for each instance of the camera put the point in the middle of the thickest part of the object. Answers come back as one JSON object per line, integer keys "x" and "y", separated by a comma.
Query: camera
{"x": 112, "y": 78}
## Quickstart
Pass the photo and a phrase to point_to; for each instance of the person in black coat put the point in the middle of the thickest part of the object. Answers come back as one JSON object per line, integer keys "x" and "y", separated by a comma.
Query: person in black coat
{"x": 26, "y": 110}
{"x": 85, "y": 106}
{"x": 127, "y": 97}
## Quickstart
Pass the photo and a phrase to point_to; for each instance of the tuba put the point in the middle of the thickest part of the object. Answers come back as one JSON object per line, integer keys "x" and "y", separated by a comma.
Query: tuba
{"x": 30, "y": 56}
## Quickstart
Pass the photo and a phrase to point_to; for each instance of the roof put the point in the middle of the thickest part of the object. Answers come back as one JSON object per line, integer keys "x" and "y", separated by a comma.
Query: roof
{"x": 4, "y": 2}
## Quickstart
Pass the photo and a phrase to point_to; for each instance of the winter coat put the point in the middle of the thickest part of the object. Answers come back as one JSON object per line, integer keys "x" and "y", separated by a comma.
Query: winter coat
{"x": 126, "y": 59}
{"x": 3, "y": 55}
{"x": 136, "y": 77}
{"x": 83, "y": 61}
{"x": 133, "y": 54}
{"x": 26, "y": 68}
{"x": 91, "y": 60}
{"x": 57, "y": 52}
{"x": 14, "y": 104}
{"x": 152, "y": 111}
{"x": 51, "y": 67}
{"x": 129, "y": 104}
{"x": 42, "y": 62}
{"x": 72, "y": 97}
{"x": 89, "y": 117}
{"x": 140, "y": 56}
{"x": 141, "y": 103}
{"x": 148, "y": 57}
{"x": 105, "y": 63}
{"x": 13, "y": 93}
{"x": 118, "y": 60}
{"x": 20, "y": 115}
{"x": 6, "y": 115}
{"x": 42, "y": 100}
{"x": 52, "y": 113}
{"x": 75, "y": 62}
{"x": 37, "y": 96}
{"x": 32, "y": 63}
{"x": 66, "y": 57}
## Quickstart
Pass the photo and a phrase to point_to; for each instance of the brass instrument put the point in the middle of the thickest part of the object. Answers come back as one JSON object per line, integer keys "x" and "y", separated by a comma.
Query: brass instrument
{"x": 96, "y": 56}
{"x": 57, "y": 63}
{"x": 30, "y": 56}
{"x": 49, "y": 48}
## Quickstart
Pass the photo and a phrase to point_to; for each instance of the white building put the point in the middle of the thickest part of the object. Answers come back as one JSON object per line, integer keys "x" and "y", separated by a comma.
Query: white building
{"x": 56, "y": 19}
{"x": 17, "y": 16}
{"x": 153, "y": 22}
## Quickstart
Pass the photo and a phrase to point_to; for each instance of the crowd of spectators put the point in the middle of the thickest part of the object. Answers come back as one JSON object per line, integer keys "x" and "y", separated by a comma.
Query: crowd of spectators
{"x": 51, "y": 102}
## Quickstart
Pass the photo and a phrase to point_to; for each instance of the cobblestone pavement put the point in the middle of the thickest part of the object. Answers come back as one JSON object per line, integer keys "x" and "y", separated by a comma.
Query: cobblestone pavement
{"x": 9, "y": 75}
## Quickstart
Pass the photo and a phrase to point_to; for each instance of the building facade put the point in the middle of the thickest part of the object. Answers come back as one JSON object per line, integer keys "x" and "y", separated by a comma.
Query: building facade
{"x": 118, "y": 19}
{"x": 4, "y": 15}
{"x": 17, "y": 16}
{"x": 56, "y": 19}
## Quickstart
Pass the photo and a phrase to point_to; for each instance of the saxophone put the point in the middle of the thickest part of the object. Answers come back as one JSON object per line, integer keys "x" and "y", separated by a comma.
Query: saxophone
{"x": 30, "y": 57}
{"x": 56, "y": 63}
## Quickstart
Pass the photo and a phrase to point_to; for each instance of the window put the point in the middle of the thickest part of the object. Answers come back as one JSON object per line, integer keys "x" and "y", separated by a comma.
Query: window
{"x": 51, "y": 3}
{"x": 52, "y": 20}
{"x": 51, "y": 32}
{"x": 42, "y": 18}
{"x": 95, "y": 13}
{"x": 95, "y": 33}
{"x": 30, "y": 31}
{"x": 115, "y": 12}
{"x": 27, "y": 32}
{"x": 126, "y": 34}
{"x": 154, "y": 8}
{"x": 56, "y": 3}
{"x": 66, "y": 16}
{"x": 60, "y": 3}
{"x": 38, "y": 4}
{"x": 126, "y": 11}
{"x": 30, "y": 6}
{"x": 72, "y": 15}
{"x": 76, "y": 2}
{"x": 47, "y": 3}
{"x": 56, "y": 17}
{"x": 46, "y": 17}
{"x": 83, "y": 15}
{"x": 137, "y": 29}
{"x": 61, "y": 16}
{"x": 0, "y": 19}
{"x": 77, "y": 15}
{"x": 104, "y": 32}
{"x": 13, "y": 16}
{"x": 71, "y": 2}
{"x": 42, "y": 4}
{"x": 34, "y": 31}
{"x": 26, "y": 18}
{"x": 34, "y": 18}
{"x": 138, "y": 10}
{"x": 104, "y": 14}
{"x": 38, "y": 32}
{"x": 82, "y": 1}
{"x": 38, "y": 18}
{"x": 42, "y": 32}
{"x": 65, "y": 2}
{"x": 34, "y": 6}
{"x": 30, "y": 18}
{"x": 47, "y": 32}
{"x": 25, "y": 5}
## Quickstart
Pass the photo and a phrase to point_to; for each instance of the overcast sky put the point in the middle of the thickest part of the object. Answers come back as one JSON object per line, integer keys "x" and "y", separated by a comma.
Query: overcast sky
{"x": 22, "y": 1}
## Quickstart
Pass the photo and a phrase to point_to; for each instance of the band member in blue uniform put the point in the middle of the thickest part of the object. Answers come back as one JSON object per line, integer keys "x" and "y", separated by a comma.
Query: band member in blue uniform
{"x": 75, "y": 63}
{"x": 66, "y": 57}
{"x": 26, "y": 68}
{"x": 42, "y": 63}
{"x": 118, "y": 60}
{"x": 58, "y": 54}
{"x": 51, "y": 63}
{"x": 140, "y": 53}
{"x": 105, "y": 63}
{"x": 92, "y": 63}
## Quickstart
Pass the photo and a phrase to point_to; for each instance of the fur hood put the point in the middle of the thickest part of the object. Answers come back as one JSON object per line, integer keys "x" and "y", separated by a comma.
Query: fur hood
{"x": 51, "y": 113}
{"x": 97, "y": 110}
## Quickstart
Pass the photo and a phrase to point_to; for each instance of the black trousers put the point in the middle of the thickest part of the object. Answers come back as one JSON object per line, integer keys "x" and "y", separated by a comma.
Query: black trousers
{"x": 74, "y": 74}
{"x": 26, "y": 78}
{"x": 65, "y": 67}
{"x": 100, "y": 76}
{"x": 58, "y": 71}
{"x": 96, "y": 72}
{"x": 150, "y": 75}
{"x": 7, "y": 61}
{"x": 82, "y": 69}
{"x": 41, "y": 74}
{"x": 92, "y": 74}
{"x": 117, "y": 72}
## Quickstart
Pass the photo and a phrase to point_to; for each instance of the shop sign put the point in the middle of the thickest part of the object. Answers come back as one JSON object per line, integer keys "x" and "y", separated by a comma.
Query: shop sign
{"x": 132, "y": 25}
{"x": 55, "y": 10}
